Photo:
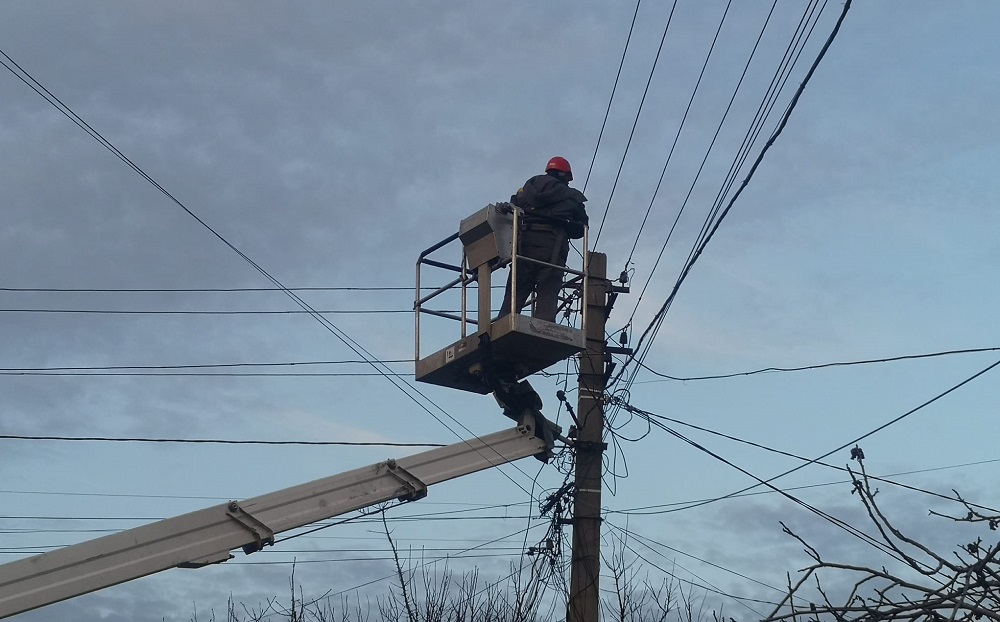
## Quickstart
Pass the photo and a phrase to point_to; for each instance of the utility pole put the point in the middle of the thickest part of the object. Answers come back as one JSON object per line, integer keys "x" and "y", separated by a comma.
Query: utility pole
{"x": 584, "y": 604}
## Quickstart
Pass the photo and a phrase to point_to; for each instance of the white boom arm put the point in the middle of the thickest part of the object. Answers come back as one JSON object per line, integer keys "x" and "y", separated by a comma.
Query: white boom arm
{"x": 207, "y": 536}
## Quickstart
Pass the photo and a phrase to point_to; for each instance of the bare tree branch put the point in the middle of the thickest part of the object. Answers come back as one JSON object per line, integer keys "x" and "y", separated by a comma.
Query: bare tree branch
{"x": 926, "y": 587}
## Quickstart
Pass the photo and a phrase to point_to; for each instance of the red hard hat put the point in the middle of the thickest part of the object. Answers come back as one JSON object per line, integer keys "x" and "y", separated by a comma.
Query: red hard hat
{"x": 559, "y": 164}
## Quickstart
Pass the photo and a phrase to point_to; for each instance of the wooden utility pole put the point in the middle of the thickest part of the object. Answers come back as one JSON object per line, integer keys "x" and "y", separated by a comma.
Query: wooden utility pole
{"x": 584, "y": 604}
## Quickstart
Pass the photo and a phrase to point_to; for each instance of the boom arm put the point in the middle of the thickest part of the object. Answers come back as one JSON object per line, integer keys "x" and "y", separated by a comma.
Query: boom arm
{"x": 206, "y": 536}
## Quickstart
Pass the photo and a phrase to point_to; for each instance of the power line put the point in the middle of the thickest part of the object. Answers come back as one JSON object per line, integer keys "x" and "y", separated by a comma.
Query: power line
{"x": 635, "y": 122}
{"x": 196, "y": 371}
{"x": 825, "y": 455}
{"x": 657, "y": 321}
{"x": 400, "y": 519}
{"x": 97, "y": 370}
{"x": 210, "y": 312}
{"x": 405, "y": 387}
{"x": 614, "y": 90}
{"x": 498, "y": 551}
{"x": 637, "y": 511}
{"x": 37, "y": 531}
{"x": 292, "y": 562}
{"x": 366, "y": 374}
{"x": 207, "y": 441}
{"x": 890, "y": 359}
{"x": 368, "y": 516}
{"x": 681, "y": 125}
{"x": 641, "y": 510}
{"x": 200, "y": 365}
{"x": 58, "y": 493}
{"x": 108, "y": 494}
{"x": 647, "y": 415}
{"x": 762, "y": 114}
{"x": 421, "y": 549}
{"x": 431, "y": 562}
{"x": 778, "y": 83}
{"x": 110, "y": 290}
{"x": 705, "y": 585}
{"x": 844, "y": 525}
{"x": 643, "y": 539}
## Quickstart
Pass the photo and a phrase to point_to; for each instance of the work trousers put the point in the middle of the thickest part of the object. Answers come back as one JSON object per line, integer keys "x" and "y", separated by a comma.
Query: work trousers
{"x": 548, "y": 246}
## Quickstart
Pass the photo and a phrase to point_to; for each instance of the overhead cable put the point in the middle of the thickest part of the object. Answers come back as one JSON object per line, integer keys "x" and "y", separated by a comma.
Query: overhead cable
{"x": 211, "y": 312}
{"x": 647, "y": 541}
{"x": 704, "y": 585}
{"x": 189, "y": 290}
{"x": 401, "y": 384}
{"x": 681, "y": 125}
{"x": 635, "y": 122}
{"x": 207, "y": 441}
{"x": 644, "y": 510}
{"x": 198, "y": 366}
{"x": 776, "y": 86}
{"x": 611, "y": 100}
{"x": 802, "y": 34}
{"x": 765, "y": 370}
{"x": 842, "y": 524}
{"x": 646, "y": 414}
{"x": 841, "y": 447}
{"x": 658, "y": 318}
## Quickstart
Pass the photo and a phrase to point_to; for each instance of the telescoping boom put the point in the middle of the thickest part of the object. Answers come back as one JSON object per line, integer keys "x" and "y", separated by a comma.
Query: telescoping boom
{"x": 207, "y": 536}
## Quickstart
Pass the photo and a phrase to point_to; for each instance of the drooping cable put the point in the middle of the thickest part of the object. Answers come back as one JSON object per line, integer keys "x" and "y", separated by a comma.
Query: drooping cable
{"x": 657, "y": 321}
{"x": 775, "y": 87}
{"x": 611, "y": 100}
{"x": 635, "y": 122}
{"x": 680, "y": 129}
{"x": 639, "y": 537}
{"x": 402, "y": 385}
{"x": 845, "y": 526}
{"x": 841, "y": 447}
{"x": 649, "y": 415}
{"x": 207, "y": 441}
{"x": 664, "y": 508}
{"x": 768, "y": 370}
{"x": 704, "y": 585}
{"x": 194, "y": 290}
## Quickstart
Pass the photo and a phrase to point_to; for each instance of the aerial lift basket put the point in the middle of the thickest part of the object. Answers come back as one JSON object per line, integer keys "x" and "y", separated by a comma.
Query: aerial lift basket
{"x": 512, "y": 347}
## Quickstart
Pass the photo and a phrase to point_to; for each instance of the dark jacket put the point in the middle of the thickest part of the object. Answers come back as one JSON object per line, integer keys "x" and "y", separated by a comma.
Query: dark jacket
{"x": 547, "y": 200}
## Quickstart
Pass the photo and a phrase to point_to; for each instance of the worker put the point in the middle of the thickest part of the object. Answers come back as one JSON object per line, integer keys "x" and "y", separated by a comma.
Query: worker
{"x": 553, "y": 214}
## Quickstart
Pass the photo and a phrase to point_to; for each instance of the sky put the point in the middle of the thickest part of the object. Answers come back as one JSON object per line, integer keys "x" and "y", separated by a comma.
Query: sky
{"x": 330, "y": 143}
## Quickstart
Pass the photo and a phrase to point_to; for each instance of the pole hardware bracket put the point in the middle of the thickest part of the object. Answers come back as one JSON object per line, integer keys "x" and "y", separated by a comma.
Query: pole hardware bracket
{"x": 572, "y": 521}
{"x": 263, "y": 535}
{"x": 590, "y": 446}
{"x": 416, "y": 489}
{"x": 618, "y": 350}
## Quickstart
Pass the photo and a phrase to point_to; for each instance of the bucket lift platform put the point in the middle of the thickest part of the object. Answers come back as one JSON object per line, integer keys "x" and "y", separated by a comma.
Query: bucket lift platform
{"x": 509, "y": 348}
{"x": 518, "y": 347}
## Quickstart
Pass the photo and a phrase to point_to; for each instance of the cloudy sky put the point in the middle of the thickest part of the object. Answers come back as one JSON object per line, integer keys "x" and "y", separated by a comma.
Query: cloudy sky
{"x": 331, "y": 142}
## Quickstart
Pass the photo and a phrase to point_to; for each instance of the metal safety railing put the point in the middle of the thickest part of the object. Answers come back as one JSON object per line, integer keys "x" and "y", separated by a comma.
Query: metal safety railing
{"x": 466, "y": 277}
